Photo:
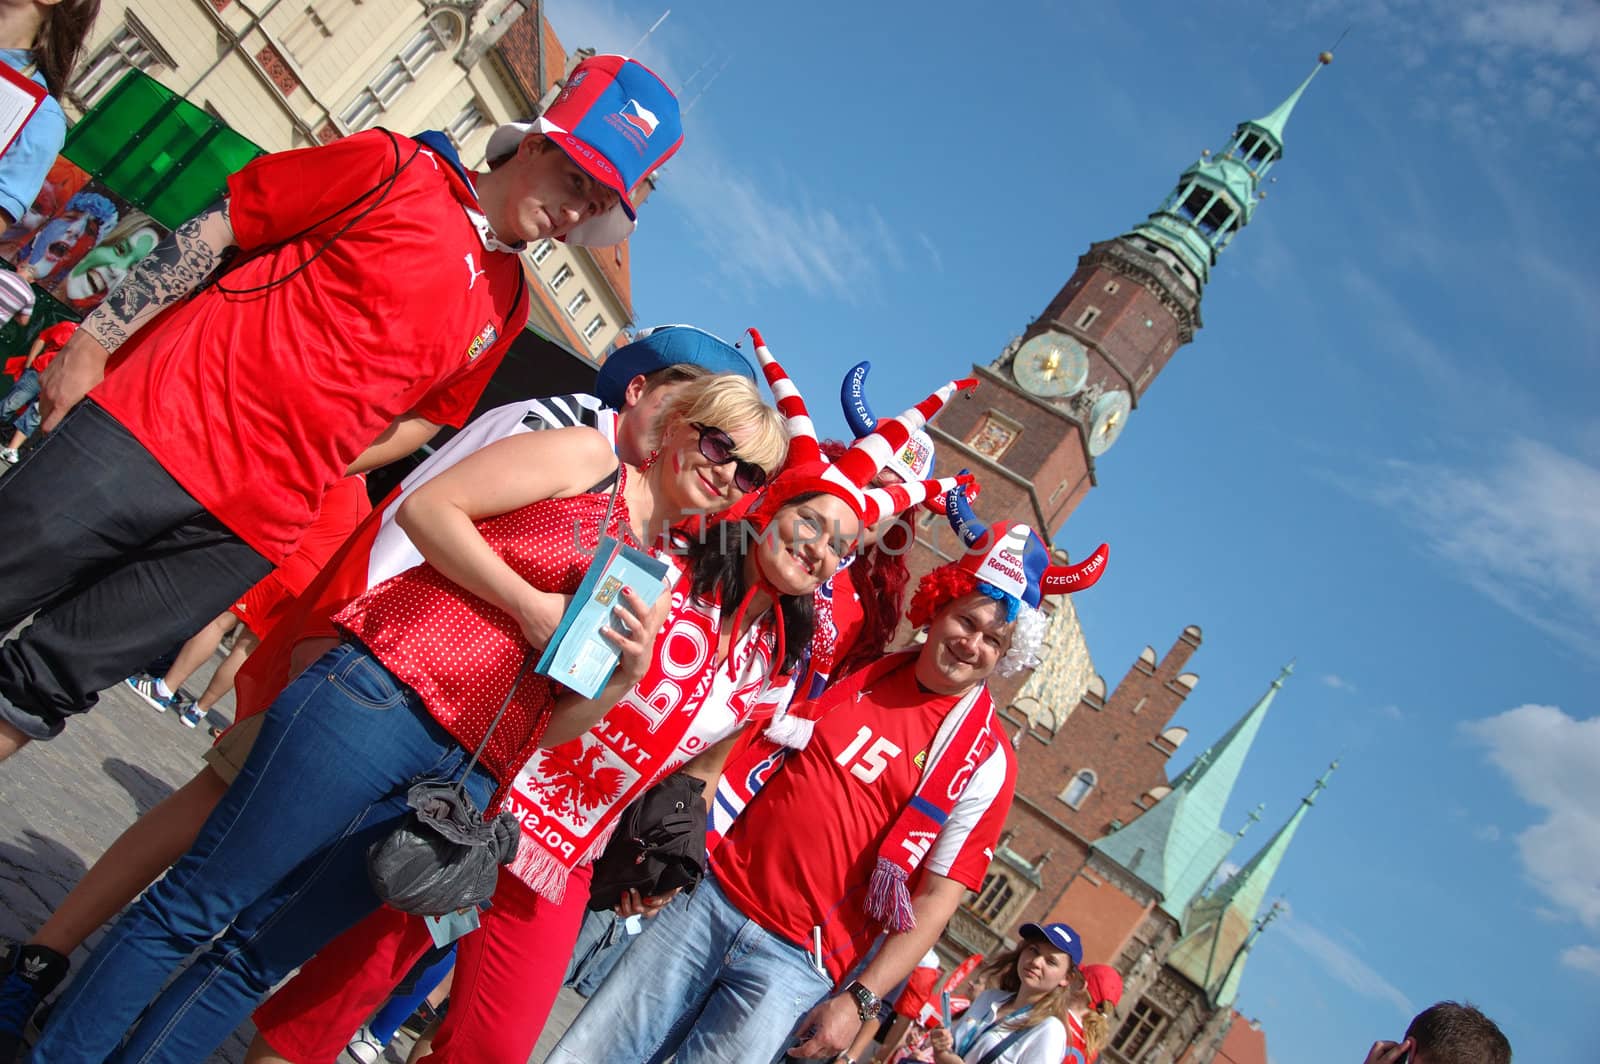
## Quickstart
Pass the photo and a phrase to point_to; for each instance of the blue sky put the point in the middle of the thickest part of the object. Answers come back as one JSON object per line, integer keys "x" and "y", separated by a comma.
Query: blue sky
{"x": 1380, "y": 457}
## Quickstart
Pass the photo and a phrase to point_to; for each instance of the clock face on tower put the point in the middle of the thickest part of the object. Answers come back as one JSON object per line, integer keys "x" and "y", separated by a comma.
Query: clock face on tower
{"x": 1052, "y": 365}
{"x": 1106, "y": 420}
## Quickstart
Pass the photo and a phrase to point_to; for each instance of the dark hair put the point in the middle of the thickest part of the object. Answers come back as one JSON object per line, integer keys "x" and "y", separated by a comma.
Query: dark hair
{"x": 881, "y": 577}
{"x": 716, "y": 565}
{"x": 66, "y": 26}
{"x": 1453, "y": 1032}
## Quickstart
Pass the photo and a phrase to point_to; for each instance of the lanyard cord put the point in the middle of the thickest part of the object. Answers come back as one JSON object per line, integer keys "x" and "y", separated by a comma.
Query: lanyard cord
{"x": 382, "y": 190}
{"x": 997, "y": 1020}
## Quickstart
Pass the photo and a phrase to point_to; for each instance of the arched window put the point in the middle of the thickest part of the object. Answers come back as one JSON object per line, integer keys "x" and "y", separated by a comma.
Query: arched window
{"x": 1079, "y": 788}
{"x": 994, "y": 897}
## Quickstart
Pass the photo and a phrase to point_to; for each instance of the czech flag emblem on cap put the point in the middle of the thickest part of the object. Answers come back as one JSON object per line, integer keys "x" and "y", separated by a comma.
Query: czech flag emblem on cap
{"x": 619, "y": 122}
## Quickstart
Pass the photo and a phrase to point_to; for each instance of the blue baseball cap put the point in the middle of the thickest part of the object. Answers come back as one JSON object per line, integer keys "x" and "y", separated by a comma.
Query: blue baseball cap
{"x": 617, "y": 121}
{"x": 1060, "y": 936}
{"x": 663, "y": 346}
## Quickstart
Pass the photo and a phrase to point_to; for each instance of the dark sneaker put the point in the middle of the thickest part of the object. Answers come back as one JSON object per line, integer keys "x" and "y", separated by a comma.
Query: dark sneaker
{"x": 35, "y": 973}
{"x": 189, "y": 711}
{"x": 144, "y": 685}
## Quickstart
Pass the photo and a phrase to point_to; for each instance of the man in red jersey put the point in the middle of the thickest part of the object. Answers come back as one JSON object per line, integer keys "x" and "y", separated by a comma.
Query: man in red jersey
{"x": 378, "y": 287}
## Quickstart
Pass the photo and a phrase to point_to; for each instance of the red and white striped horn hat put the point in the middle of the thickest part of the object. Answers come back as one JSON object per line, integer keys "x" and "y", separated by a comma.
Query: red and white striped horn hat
{"x": 806, "y": 469}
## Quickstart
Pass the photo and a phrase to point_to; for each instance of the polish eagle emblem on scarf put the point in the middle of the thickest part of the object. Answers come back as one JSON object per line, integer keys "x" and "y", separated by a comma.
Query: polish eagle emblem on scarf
{"x": 574, "y": 780}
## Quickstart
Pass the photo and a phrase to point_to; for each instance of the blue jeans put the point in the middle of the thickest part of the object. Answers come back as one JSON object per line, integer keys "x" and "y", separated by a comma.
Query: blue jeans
{"x": 279, "y": 869}
{"x": 602, "y": 940}
{"x": 24, "y": 391}
{"x": 703, "y": 982}
{"x": 28, "y": 421}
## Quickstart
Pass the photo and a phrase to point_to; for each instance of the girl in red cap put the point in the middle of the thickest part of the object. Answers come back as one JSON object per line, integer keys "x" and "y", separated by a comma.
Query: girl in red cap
{"x": 1087, "y": 1025}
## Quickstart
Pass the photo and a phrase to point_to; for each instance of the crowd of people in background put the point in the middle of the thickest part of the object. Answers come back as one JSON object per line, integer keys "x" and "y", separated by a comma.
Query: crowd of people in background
{"x": 646, "y": 837}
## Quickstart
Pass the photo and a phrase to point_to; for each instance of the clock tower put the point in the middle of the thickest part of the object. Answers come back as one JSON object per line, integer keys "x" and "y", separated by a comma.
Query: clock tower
{"x": 1057, "y": 399}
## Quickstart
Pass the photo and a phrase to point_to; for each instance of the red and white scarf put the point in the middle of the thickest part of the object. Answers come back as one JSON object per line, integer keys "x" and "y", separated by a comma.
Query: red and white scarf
{"x": 568, "y": 798}
{"x": 969, "y": 733}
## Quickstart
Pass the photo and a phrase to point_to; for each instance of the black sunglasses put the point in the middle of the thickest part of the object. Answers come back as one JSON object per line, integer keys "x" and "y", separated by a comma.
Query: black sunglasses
{"x": 716, "y": 447}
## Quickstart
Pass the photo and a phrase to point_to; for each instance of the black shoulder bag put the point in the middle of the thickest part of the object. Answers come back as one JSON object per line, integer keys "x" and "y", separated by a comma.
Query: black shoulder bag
{"x": 659, "y": 844}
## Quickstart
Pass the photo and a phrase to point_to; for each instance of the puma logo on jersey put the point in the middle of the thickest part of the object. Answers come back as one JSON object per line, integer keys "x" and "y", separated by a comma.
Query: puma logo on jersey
{"x": 473, "y": 273}
{"x": 430, "y": 157}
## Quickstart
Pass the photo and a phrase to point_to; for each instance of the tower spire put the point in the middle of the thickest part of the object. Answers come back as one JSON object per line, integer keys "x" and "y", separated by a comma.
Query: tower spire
{"x": 1216, "y": 197}
{"x": 1217, "y": 930}
{"x": 1274, "y": 121}
{"x": 1178, "y": 843}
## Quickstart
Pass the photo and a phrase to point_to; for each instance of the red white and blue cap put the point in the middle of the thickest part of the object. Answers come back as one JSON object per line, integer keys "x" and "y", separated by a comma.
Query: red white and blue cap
{"x": 1011, "y": 558}
{"x": 662, "y": 346}
{"x": 914, "y": 459}
{"x": 806, "y": 469}
{"x": 1061, "y": 936}
{"x": 617, "y": 121}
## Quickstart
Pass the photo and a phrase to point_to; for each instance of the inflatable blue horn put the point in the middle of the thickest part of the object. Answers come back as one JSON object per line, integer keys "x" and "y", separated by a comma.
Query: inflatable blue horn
{"x": 958, "y": 509}
{"x": 853, "y": 396}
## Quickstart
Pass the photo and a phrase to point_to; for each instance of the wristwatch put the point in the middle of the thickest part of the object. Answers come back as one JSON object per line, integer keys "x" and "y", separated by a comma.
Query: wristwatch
{"x": 866, "y": 1000}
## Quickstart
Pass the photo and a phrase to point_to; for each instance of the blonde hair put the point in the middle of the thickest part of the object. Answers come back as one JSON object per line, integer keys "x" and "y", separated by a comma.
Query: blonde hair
{"x": 1002, "y": 972}
{"x": 730, "y": 402}
{"x": 1096, "y": 1029}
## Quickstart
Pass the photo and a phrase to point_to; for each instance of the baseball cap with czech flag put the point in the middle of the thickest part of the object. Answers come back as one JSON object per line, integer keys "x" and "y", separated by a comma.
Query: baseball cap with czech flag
{"x": 619, "y": 122}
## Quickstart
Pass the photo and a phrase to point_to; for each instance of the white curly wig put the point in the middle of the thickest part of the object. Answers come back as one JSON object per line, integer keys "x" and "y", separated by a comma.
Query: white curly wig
{"x": 1027, "y": 640}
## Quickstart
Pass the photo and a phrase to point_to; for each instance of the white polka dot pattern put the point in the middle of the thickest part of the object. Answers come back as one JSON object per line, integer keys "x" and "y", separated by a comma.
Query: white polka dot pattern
{"x": 461, "y": 654}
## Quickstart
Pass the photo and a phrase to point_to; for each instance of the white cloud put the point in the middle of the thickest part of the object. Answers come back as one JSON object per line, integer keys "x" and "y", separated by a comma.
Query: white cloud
{"x": 1524, "y": 531}
{"x": 1549, "y": 758}
{"x": 762, "y": 227}
{"x": 1582, "y": 958}
{"x": 1494, "y": 66}
{"x": 1391, "y": 711}
{"x": 765, "y": 229}
{"x": 1570, "y": 28}
{"x": 1338, "y": 683}
{"x": 1344, "y": 964}
{"x": 1486, "y": 833}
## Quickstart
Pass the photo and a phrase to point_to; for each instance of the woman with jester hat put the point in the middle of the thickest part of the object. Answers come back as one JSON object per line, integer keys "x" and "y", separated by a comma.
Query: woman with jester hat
{"x": 428, "y": 655}
{"x": 708, "y": 676}
{"x": 878, "y": 806}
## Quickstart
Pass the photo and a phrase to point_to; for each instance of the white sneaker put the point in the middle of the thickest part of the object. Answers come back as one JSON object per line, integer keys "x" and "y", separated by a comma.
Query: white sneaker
{"x": 363, "y": 1049}
{"x": 8, "y": 456}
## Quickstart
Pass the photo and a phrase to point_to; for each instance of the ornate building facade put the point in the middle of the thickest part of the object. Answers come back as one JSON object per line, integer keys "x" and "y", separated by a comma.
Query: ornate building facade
{"x": 303, "y": 72}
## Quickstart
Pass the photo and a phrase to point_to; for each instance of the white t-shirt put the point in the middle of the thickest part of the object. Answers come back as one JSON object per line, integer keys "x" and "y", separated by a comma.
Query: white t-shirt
{"x": 982, "y": 1027}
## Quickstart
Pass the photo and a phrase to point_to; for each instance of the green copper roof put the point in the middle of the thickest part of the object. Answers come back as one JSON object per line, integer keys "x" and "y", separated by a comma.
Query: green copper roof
{"x": 1278, "y": 117}
{"x": 1228, "y": 173}
{"x": 1176, "y": 845}
{"x": 1217, "y": 933}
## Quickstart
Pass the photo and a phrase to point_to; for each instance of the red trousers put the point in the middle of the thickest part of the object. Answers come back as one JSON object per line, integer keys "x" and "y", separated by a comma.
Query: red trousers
{"x": 508, "y": 974}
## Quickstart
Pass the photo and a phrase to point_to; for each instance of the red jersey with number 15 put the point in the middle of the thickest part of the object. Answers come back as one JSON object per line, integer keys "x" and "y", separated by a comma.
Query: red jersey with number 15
{"x": 365, "y": 293}
{"x": 802, "y": 853}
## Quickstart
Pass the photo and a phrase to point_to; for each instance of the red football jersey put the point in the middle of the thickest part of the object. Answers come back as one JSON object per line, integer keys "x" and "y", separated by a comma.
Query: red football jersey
{"x": 257, "y": 393}
{"x": 847, "y": 788}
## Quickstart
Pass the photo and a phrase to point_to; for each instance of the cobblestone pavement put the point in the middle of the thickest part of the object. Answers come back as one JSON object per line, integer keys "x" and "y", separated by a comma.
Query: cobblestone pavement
{"x": 62, "y": 803}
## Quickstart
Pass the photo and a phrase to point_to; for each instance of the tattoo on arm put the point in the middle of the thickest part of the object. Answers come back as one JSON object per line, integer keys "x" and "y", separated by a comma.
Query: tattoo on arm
{"x": 179, "y": 264}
